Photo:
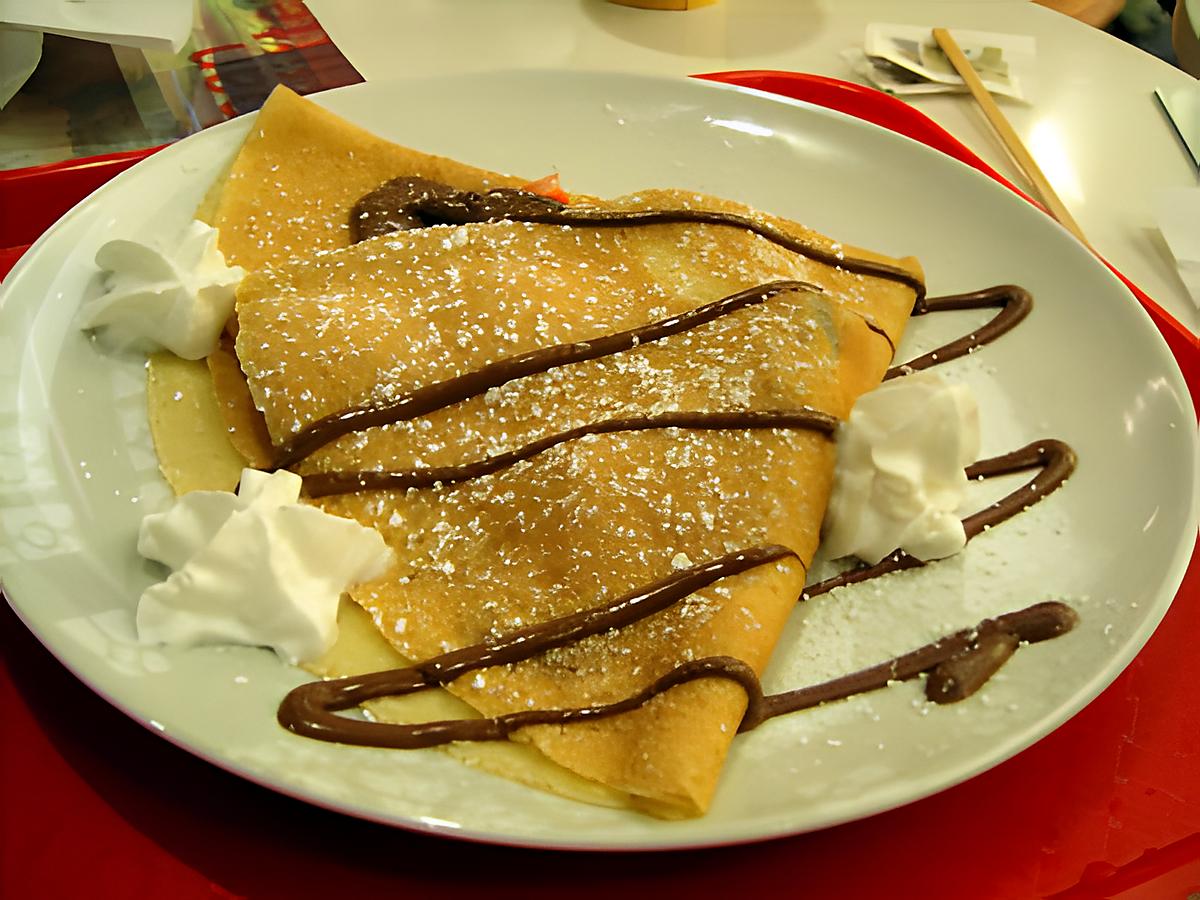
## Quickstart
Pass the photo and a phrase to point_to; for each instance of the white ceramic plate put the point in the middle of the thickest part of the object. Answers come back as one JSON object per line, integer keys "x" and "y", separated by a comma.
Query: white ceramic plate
{"x": 1087, "y": 366}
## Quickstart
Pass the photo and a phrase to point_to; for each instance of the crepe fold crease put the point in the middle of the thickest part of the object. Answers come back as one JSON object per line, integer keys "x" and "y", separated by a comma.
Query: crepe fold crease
{"x": 587, "y": 519}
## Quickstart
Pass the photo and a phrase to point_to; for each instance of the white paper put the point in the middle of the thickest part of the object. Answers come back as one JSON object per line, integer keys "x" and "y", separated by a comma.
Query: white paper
{"x": 146, "y": 24}
{"x": 878, "y": 77}
{"x": 20, "y": 52}
{"x": 1179, "y": 221}
{"x": 912, "y": 48}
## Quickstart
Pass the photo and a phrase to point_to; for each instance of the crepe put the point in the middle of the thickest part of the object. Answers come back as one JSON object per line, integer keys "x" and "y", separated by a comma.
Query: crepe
{"x": 588, "y": 519}
{"x": 300, "y": 169}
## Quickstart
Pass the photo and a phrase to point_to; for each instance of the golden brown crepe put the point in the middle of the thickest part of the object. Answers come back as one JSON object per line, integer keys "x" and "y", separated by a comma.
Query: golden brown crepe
{"x": 300, "y": 170}
{"x": 588, "y": 519}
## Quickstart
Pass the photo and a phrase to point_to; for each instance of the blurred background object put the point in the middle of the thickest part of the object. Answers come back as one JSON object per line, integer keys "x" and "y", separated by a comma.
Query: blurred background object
{"x": 1185, "y": 35}
{"x": 87, "y": 98}
{"x": 680, "y": 5}
{"x": 1143, "y": 23}
{"x": 1093, "y": 12}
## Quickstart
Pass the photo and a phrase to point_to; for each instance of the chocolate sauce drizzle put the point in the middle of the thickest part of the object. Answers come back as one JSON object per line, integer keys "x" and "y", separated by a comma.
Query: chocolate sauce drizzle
{"x": 434, "y": 396}
{"x": 1014, "y": 303}
{"x": 326, "y": 484}
{"x": 425, "y": 204}
{"x": 308, "y": 709}
{"x": 409, "y": 203}
{"x": 1055, "y": 460}
{"x": 405, "y": 203}
{"x": 957, "y": 664}
{"x": 963, "y": 655}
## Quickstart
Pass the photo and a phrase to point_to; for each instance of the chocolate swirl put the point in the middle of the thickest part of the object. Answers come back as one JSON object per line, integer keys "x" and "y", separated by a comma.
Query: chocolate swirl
{"x": 325, "y": 484}
{"x": 958, "y": 664}
{"x": 1014, "y": 303}
{"x": 962, "y": 661}
{"x": 426, "y": 399}
{"x": 1056, "y": 461}
{"x": 965, "y": 654}
{"x": 412, "y": 203}
{"x": 421, "y": 204}
{"x": 309, "y": 708}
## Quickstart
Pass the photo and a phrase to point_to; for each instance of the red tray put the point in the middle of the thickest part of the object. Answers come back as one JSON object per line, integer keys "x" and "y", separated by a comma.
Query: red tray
{"x": 1106, "y": 806}
{"x": 33, "y": 199}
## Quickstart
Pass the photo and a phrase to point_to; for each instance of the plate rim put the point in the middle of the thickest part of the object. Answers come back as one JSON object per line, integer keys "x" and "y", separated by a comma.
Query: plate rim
{"x": 1046, "y": 725}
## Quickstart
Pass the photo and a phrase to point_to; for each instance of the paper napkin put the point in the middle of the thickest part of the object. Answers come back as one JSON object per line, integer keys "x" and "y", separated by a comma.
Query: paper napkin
{"x": 1179, "y": 221}
{"x": 905, "y": 59}
{"x": 148, "y": 24}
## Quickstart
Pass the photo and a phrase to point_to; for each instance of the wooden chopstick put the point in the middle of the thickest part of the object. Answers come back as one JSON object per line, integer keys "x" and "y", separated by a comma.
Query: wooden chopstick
{"x": 1007, "y": 135}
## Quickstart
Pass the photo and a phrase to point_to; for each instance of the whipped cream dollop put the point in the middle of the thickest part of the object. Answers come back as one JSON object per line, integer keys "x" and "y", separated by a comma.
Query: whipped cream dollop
{"x": 254, "y": 568}
{"x": 178, "y": 299}
{"x": 899, "y": 480}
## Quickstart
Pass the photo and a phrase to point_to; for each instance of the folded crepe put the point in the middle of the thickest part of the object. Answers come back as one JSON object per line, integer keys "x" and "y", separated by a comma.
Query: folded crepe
{"x": 301, "y": 168}
{"x": 584, "y": 520}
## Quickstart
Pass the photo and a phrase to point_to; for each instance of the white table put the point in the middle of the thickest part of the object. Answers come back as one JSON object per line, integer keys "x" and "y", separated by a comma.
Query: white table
{"x": 1093, "y": 124}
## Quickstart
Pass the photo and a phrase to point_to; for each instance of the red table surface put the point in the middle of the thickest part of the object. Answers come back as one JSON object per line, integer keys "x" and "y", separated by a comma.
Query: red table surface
{"x": 93, "y": 805}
